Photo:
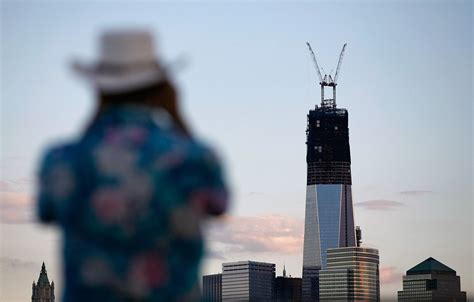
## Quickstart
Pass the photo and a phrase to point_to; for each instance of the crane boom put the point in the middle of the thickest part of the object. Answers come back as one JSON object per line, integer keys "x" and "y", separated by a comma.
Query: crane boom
{"x": 316, "y": 66}
{"x": 339, "y": 63}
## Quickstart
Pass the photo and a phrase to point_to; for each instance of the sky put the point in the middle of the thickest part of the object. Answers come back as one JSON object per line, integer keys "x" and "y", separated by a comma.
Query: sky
{"x": 246, "y": 83}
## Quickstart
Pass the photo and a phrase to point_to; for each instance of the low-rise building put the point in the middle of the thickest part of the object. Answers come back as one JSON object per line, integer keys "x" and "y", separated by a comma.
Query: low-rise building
{"x": 431, "y": 280}
{"x": 287, "y": 289}
{"x": 248, "y": 281}
{"x": 352, "y": 274}
{"x": 212, "y": 288}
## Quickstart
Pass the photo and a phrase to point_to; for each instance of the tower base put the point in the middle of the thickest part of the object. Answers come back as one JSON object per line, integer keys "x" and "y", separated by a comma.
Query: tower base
{"x": 310, "y": 284}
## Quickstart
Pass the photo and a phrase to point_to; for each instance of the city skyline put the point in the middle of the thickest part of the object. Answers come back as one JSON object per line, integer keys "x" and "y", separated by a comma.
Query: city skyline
{"x": 247, "y": 87}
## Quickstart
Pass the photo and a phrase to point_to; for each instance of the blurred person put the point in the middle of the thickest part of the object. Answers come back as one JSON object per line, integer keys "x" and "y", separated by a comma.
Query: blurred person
{"x": 130, "y": 193}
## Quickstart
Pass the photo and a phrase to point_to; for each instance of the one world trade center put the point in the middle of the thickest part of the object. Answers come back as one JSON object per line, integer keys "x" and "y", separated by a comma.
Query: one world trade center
{"x": 329, "y": 218}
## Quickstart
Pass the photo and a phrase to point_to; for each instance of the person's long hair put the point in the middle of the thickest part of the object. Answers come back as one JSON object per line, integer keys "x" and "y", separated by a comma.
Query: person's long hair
{"x": 161, "y": 95}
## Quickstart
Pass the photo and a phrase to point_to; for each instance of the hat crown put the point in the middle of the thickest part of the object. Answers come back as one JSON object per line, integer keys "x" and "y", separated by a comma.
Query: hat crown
{"x": 126, "y": 47}
{"x": 127, "y": 62}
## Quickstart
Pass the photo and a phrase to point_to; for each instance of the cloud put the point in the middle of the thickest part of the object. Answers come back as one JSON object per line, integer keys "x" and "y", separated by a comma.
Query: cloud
{"x": 379, "y": 205}
{"x": 258, "y": 196}
{"x": 14, "y": 263}
{"x": 389, "y": 275}
{"x": 253, "y": 193}
{"x": 5, "y": 186}
{"x": 15, "y": 207}
{"x": 17, "y": 185}
{"x": 16, "y": 201}
{"x": 257, "y": 234}
{"x": 415, "y": 192}
{"x": 215, "y": 255}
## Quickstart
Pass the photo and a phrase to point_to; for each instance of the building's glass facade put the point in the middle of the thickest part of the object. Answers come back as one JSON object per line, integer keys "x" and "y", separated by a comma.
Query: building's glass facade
{"x": 329, "y": 205}
{"x": 212, "y": 288}
{"x": 248, "y": 281}
{"x": 329, "y": 218}
{"x": 352, "y": 274}
{"x": 431, "y": 281}
{"x": 312, "y": 243}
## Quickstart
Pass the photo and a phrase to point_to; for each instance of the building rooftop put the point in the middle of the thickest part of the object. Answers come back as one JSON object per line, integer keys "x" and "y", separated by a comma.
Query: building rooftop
{"x": 430, "y": 266}
{"x": 250, "y": 262}
{"x": 359, "y": 249}
{"x": 328, "y": 111}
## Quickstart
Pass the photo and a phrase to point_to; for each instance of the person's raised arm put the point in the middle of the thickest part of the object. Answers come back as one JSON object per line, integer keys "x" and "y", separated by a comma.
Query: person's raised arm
{"x": 202, "y": 181}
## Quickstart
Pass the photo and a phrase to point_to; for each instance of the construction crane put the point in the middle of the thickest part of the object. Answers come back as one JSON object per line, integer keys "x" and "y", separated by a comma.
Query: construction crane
{"x": 339, "y": 63}
{"x": 315, "y": 62}
{"x": 327, "y": 80}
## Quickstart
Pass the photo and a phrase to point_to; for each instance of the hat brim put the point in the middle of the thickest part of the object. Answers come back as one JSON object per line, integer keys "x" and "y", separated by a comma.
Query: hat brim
{"x": 113, "y": 83}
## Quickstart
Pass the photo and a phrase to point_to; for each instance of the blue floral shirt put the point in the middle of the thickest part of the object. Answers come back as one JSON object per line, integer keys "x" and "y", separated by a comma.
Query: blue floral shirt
{"x": 129, "y": 196}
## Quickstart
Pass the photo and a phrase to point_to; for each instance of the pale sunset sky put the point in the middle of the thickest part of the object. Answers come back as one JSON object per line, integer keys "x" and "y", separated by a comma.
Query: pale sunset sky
{"x": 246, "y": 87}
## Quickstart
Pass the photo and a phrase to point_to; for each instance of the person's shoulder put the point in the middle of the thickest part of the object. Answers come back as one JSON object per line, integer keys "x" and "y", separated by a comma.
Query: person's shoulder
{"x": 202, "y": 152}
{"x": 175, "y": 140}
{"x": 61, "y": 148}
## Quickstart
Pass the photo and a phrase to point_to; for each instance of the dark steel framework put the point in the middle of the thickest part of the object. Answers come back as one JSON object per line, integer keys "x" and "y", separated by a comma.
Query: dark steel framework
{"x": 328, "y": 154}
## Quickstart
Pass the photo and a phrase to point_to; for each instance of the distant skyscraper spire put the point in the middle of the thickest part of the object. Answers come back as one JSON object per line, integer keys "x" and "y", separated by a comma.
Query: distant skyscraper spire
{"x": 284, "y": 270}
{"x": 43, "y": 291}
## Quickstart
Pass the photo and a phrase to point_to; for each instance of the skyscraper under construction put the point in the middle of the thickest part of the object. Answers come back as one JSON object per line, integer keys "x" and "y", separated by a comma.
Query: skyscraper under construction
{"x": 329, "y": 218}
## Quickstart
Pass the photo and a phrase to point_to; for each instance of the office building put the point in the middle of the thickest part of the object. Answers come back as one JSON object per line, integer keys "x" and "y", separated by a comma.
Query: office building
{"x": 329, "y": 219}
{"x": 431, "y": 280}
{"x": 212, "y": 288}
{"x": 43, "y": 290}
{"x": 287, "y": 289}
{"x": 248, "y": 281}
{"x": 352, "y": 274}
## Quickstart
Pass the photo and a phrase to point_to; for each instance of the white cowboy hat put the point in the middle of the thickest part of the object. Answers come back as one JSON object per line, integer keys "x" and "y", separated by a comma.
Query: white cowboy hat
{"x": 127, "y": 62}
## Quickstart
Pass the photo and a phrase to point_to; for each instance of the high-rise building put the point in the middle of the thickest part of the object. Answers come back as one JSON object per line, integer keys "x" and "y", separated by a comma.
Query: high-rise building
{"x": 329, "y": 219}
{"x": 287, "y": 289}
{"x": 248, "y": 281}
{"x": 212, "y": 288}
{"x": 431, "y": 280}
{"x": 352, "y": 274}
{"x": 43, "y": 291}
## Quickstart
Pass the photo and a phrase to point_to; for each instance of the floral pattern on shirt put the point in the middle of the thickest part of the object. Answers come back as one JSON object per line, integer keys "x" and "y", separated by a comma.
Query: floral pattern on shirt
{"x": 129, "y": 196}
